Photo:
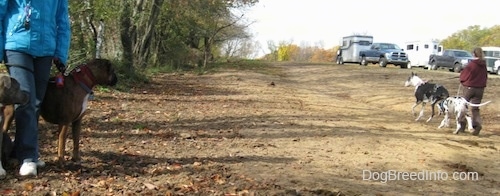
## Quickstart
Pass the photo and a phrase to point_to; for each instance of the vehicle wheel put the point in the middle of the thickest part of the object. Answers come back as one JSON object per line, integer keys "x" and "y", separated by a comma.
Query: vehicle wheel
{"x": 457, "y": 68}
{"x": 404, "y": 66}
{"x": 382, "y": 62}
{"x": 433, "y": 65}
{"x": 363, "y": 61}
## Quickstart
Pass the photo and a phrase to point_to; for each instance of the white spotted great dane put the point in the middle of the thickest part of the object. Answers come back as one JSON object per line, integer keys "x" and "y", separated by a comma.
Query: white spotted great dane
{"x": 459, "y": 107}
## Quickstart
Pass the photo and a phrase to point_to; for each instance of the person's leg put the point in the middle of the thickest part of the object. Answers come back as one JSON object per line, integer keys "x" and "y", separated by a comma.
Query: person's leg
{"x": 42, "y": 74}
{"x": 476, "y": 116}
{"x": 25, "y": 69}
{"x": 20, "y": 67}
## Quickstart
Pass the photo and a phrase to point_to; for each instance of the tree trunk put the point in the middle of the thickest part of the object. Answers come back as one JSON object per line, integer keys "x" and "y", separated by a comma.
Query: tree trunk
{"x": 206, "y": 51}
{"x": 99, "y": 39}
{"x": 126, "y": 34}
{"x": 143, "y": 47}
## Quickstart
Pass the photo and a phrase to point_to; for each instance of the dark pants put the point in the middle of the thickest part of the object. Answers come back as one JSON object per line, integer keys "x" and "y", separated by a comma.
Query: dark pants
{"x": 474, "y": 95}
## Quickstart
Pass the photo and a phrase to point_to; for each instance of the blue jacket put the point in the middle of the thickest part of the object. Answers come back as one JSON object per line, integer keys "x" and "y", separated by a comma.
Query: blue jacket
{"x": 48, "y": 32}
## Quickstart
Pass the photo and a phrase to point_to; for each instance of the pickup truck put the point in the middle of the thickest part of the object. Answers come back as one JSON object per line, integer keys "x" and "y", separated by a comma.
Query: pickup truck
{"x": 454, "y": 60}
{"x": 383, "y": 54}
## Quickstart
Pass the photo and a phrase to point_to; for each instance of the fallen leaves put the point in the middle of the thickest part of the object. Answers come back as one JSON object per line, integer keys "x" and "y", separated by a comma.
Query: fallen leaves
{"x": 150, "y": 186}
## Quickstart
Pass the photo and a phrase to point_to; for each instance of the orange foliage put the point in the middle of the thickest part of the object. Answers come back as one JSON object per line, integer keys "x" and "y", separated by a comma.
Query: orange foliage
{"x": 322, "y": 55}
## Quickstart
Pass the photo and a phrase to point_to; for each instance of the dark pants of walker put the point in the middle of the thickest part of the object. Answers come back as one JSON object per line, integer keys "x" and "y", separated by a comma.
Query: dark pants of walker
{"x": 474, "y": 95}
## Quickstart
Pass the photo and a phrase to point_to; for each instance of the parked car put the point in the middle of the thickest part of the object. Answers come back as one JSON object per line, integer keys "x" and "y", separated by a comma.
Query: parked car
{"x": 384, "y": 54}
{"x": 454, "y": 60}
{"x": 492, "y": 57}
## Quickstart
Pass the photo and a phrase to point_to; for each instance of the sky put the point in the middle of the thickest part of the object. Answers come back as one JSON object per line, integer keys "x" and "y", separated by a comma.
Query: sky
{"x": 324, "y": 22}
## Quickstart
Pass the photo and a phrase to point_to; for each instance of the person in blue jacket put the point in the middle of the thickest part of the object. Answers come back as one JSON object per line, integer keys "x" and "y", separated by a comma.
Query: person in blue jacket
{"x": 33, "y": 35}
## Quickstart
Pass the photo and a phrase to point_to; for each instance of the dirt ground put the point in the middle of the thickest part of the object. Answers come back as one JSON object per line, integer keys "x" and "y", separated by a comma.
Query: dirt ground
{"x": 319, "y": 130}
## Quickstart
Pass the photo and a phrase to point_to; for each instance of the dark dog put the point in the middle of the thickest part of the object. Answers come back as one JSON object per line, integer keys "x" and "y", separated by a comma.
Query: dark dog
{"x": 459, "y": 107}
{"x": 426, "y": 92}
{"x": 66, "y": 105}
{"x": 10, "y": 93}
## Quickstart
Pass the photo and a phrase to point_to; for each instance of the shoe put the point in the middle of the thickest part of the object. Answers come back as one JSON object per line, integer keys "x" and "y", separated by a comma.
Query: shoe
{"x": 28, "y": 168}
{"x": 40, "y": 163}
{"x": 477, "y": 129}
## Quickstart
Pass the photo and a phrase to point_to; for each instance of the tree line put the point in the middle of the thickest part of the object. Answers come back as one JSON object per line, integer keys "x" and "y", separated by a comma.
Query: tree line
{"x": 155, "y": 33}
{"x": 466, "y": 39}
{"x": 473, "y": 36}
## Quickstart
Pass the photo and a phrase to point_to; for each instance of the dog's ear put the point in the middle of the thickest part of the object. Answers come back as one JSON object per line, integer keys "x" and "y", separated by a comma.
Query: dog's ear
{"x": 5, "y": 81}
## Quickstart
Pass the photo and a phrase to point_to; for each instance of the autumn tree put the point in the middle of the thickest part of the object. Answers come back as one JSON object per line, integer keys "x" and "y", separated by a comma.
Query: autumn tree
{"x": 273, "y": 51}
{"x": 287, "y": 51}
{"x": 492, "y": 37}
{"x": 473, "y": 36}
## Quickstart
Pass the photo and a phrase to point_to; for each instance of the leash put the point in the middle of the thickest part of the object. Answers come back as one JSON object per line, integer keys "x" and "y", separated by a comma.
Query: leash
{"x": 458, "y": 90}
{"x": 454, "y": 77}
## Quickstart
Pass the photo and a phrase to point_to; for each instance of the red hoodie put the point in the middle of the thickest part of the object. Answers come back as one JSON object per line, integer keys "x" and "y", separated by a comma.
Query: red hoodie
{"x": 474, "y": 74}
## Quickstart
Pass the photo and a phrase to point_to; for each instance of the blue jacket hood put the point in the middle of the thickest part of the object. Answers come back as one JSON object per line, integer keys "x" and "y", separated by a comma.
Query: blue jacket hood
{"x": 48, "y": 33}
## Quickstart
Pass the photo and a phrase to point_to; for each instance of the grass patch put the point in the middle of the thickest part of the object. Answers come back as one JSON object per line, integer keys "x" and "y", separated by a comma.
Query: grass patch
{"x": 259, "y": 66}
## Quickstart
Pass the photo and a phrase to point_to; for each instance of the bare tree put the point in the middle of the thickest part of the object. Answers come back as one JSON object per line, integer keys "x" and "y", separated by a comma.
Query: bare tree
{"x": 137, "y": 28}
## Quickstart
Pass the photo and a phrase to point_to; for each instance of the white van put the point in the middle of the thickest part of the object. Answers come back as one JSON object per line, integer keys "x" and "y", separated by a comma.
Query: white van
{"x": 419, "y": 52}
{"x": 492, "y": 57}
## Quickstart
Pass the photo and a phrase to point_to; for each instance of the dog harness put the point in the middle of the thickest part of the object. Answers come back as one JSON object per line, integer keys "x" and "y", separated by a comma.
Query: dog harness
{"x": 84, "y": 77}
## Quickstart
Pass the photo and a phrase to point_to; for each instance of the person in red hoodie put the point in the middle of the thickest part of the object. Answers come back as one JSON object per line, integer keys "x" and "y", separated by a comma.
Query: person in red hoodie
{"x": 473, "y": 78}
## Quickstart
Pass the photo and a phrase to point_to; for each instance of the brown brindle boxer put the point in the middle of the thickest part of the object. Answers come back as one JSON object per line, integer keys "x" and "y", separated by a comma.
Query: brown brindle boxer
{"x": 66, "y": 105}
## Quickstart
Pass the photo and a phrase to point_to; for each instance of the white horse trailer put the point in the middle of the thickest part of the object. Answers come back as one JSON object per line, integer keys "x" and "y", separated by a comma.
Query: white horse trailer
{"x": 419, "y": 52}
{"x": 351, "y": 46}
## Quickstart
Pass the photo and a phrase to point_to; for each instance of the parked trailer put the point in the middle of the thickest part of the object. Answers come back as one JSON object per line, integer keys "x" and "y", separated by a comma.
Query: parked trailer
{"x": 492, "y": 57}
{"x": 419, "y": 51}
{"x": 351, "y": 46}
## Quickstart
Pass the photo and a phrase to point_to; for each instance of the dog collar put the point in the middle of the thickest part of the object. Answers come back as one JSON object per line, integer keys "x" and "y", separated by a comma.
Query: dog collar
{"x": 84, "y": 77}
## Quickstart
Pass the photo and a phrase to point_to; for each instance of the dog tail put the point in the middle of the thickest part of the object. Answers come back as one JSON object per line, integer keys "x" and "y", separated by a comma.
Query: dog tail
{"x": 477, "y": 105}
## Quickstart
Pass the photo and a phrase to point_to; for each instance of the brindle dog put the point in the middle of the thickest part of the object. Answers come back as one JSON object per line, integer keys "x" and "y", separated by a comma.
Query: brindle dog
{"x": 65, "y": 106}
{"x": 10, "y": 93}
